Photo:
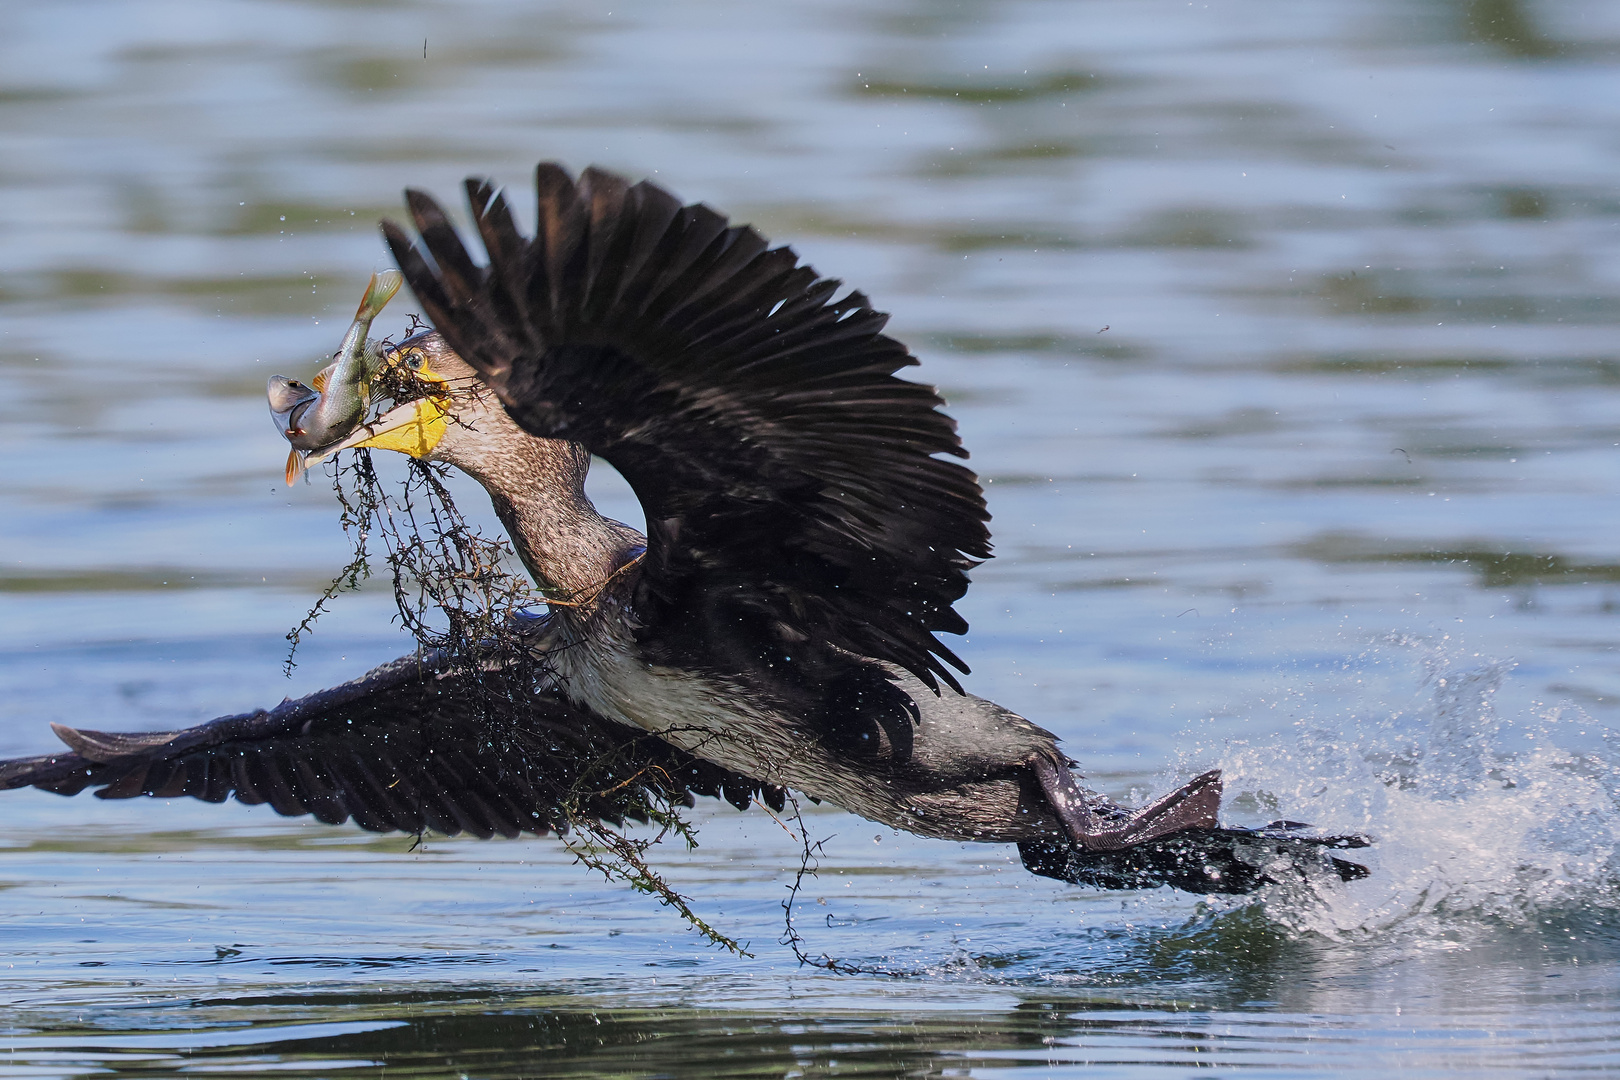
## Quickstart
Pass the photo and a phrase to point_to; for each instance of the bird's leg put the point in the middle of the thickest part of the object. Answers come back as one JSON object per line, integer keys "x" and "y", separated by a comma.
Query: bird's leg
{"x": 1194, "y": 805}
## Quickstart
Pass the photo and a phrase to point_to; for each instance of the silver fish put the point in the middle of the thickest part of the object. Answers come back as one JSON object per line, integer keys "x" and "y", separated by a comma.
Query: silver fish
{"x": 315, "y": 416}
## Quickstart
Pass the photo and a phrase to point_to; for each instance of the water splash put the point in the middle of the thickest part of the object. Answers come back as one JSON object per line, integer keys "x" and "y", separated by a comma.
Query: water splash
{"x": 1479, "y": 818}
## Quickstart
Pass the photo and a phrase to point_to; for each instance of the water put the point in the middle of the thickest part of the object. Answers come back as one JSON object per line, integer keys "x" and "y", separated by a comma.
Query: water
{"x": 1283, "y": 335}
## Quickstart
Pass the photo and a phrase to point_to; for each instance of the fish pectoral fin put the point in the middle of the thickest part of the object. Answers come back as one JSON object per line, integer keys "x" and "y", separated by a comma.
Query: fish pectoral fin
{"x": 323, "y": 378}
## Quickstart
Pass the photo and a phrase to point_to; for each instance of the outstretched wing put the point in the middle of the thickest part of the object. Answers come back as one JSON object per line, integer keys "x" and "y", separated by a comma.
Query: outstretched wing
{"x": 409, "y": 746}
{"x": 790, "y": 481}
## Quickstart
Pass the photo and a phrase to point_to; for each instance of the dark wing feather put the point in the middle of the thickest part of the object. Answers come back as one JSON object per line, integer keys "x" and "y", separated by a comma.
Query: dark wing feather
{"x": 791, "y": 483}
{"x": 409, "y": 746}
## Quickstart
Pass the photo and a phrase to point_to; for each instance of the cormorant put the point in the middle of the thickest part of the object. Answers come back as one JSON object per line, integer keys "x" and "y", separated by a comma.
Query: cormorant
{"x": 806, "y": 540}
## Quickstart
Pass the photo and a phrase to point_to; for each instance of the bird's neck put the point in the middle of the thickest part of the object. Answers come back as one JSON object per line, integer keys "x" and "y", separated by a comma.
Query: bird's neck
{"x": 569, "y": 549}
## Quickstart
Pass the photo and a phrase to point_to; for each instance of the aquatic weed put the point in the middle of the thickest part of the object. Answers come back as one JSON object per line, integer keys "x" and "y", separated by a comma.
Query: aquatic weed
{"x": 455, "y": 593}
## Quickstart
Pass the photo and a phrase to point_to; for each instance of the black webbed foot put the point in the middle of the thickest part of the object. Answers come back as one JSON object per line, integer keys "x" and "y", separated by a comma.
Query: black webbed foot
{"x": 1176, "y": 840}
{"x": 1232, "y": 861}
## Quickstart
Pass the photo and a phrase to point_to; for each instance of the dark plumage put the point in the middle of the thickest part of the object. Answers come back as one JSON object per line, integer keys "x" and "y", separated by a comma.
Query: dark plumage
{"x": 792, "y": 495}
{"x": 414, "y": 745}
{"x": 806, "y": 540}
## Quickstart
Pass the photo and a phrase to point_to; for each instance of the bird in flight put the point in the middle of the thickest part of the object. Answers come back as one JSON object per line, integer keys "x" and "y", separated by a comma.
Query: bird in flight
{"x": 809, "y": 527}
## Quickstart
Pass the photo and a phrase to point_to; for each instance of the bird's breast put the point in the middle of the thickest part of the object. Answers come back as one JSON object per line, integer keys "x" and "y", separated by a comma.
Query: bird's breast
{"x": 603, "y": 669}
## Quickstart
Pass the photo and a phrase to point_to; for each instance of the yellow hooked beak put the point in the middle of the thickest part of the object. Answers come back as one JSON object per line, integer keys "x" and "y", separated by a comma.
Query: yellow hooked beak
{"x": 413, "y": 428}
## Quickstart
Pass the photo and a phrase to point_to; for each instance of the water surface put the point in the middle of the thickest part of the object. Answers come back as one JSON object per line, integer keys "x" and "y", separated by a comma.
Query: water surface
{"x": 1283, "y": 337}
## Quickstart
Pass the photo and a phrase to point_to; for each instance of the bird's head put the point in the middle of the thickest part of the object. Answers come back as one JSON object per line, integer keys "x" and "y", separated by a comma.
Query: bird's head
{"x": 442, "y": 411}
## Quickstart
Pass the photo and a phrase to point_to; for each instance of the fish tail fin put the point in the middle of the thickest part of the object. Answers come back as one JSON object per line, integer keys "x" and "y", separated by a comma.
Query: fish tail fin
{"x": 382, "y": 288}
